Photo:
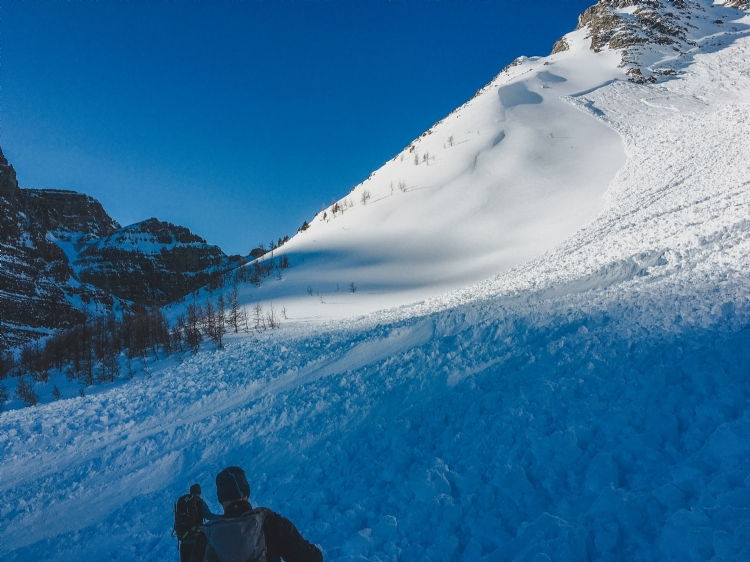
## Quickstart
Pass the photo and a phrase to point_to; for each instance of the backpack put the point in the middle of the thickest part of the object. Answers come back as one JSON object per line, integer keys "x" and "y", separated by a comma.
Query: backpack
{"x": 188, "y": 516}
{"x": 239, "y": 539}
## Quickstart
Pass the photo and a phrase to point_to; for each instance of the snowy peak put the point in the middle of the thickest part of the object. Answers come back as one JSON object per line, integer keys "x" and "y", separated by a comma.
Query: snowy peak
{"x": 151, "y": 236}
{"x": 657, "y": 31}
{"x": 504, "y": 178}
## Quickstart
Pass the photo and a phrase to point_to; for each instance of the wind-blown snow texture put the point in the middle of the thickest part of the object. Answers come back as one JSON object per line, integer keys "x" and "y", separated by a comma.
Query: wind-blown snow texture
{"x": 592, "y": 403}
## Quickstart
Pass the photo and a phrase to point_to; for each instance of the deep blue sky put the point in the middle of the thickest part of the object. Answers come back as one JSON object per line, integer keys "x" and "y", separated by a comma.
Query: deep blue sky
{"x": 240, "y": 119}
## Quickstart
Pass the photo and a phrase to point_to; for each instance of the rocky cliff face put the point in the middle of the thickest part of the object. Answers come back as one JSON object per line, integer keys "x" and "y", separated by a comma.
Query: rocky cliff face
{"x": 60, "y": 253}
{"x": 38, "y": 287}
{"x": 151, "y": 262}
{"x": 635, "y": 27}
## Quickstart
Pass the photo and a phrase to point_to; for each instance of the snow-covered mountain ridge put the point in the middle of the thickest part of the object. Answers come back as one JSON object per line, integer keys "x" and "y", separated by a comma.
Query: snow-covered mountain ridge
{"x": 504, "y": 178}
{"x": 656, "y": 31}
{"x": 590, "y": 403}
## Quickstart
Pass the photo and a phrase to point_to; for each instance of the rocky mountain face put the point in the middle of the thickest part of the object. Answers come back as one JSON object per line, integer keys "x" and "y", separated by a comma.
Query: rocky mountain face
{"x": 636, "y": 27}
{"x": 61, "y": 253}
{"x": 151, "y": 262}
{"x": 38, "y": 288}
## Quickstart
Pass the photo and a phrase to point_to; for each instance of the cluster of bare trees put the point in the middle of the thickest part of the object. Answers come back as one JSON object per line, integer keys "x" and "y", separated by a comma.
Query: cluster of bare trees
{"x": 211, "y": 321}
{"x": 100, "y": 347}
{"x": 260, "y": 269}
{"x": 267, "y": 319}
{"x": 337, "y": 208}
{"x": 89, "y": 352}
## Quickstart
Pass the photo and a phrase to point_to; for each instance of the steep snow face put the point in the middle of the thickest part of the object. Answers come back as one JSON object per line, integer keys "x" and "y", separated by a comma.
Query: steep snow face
{"x": 509, "y": 175}
{"x": 592, "y": 403}
{"x": 503, "y": 179}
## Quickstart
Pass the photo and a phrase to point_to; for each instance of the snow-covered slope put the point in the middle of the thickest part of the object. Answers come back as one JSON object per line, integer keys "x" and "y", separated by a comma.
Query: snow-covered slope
{"x": 503, "y": 179}
{"x": 509, "y": 175}
{"x": 591, "y": 403}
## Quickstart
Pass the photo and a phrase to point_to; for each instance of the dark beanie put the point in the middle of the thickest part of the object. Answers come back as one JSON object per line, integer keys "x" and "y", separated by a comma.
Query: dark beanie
{"x": 195, "y": 489}
{"x": 231, "y": 484}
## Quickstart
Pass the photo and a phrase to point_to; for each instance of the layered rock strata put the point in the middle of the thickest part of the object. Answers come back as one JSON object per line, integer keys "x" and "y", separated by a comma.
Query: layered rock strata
{"x": 61, "y": 253}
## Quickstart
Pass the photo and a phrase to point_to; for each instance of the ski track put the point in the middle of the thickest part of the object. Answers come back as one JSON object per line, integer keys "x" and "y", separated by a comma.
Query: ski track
{"x": 593, "y": 403}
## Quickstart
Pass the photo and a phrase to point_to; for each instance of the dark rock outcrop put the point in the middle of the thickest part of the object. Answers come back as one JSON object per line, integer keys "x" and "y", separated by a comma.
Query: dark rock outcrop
{"x": 8, "y": 182}
{"x": 634, "y": 26}
{"x": 151, "y": 262}
{"x": 652, "y": 21}
{"x": 68, "y": 212}
{"x": 38, "y": 289}
{"x": 560, "y": 46}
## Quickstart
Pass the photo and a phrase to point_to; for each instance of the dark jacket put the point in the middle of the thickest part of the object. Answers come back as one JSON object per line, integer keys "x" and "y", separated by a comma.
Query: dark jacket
{"x": 206, "y": 515}
{"x": 282, "y": 538}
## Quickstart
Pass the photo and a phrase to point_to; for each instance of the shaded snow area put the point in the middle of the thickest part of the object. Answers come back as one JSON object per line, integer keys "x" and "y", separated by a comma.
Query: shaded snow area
{"x": 592, "y": 403}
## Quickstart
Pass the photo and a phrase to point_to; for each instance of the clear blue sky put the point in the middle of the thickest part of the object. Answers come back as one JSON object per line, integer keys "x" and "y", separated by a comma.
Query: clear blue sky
{"x": 240, "y": 119}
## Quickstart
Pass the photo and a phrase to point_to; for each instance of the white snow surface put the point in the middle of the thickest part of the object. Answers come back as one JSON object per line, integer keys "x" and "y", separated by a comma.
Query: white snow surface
{"x": 590, "y": 402}
{"x": 509, "y": 175}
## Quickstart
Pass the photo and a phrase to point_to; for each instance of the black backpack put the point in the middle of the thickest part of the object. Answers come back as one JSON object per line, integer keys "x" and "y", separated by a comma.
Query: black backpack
{"x": 188, "y": 516}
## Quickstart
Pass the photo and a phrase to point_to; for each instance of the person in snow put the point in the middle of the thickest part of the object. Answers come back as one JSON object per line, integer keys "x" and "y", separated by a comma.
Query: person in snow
{"x": 195, "y": 490}
{"x": 187, "y": 543}
{"x": 246, "y": 533}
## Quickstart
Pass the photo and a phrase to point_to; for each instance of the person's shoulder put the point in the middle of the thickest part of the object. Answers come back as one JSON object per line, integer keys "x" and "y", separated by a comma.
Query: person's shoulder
{"x": 268, "y": 515}
{"x": 260, "y": 510}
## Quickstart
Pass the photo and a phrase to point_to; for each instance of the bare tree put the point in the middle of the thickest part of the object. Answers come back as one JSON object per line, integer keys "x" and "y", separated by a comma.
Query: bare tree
{"x": 244, "y": 318}
{"x": 220, "y": 327}
{"x": 192, "y": 330}
{"x": 26, "y": 392}
{"x": 235, "y": 310}
{"x": 402, "y": 186}
{"x": 209, "y": 319}
{"x": 3, "y": 396}
{"x": 179, "y": 332}
{"x": 271, "y": 318}
{"x": 365, "y": 197}
{"x": 450, "y": 140}
{"x": 352, "y": 287}
{"x": 260, "y": 320}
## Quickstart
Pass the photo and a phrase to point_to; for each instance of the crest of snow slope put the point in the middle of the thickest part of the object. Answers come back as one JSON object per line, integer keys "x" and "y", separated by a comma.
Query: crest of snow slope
{"x": 590, "y": 404}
